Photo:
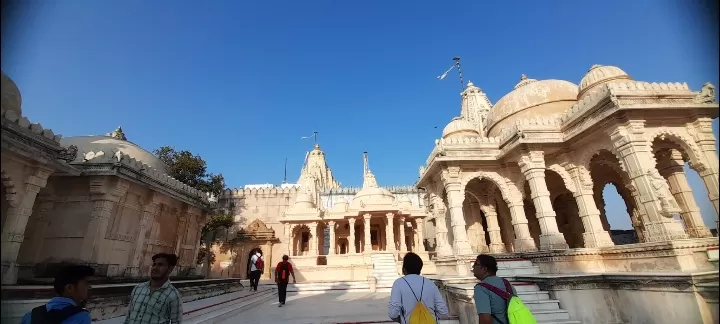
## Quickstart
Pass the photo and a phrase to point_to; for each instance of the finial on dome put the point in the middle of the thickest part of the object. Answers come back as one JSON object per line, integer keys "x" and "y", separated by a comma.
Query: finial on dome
{"x": 595, "y": 66}
{"x": 523, "y": 77}
{"x": 317, "y": 147}
{"x": 118, "y": 134}
{"x": 470, "y": 84}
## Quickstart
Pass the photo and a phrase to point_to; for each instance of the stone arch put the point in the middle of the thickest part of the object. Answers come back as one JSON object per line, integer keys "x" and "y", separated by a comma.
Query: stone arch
{"x": 565, "y": 176}
{"x": 510, "y": 193}
{"x": 688, "y": 146}
{"x": 585, "y": 155}
{"x": 9, "y": 188}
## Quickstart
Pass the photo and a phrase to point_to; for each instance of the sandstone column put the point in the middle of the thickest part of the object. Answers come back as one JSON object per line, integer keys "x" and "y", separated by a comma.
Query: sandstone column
{"x": 367, "y": 247}
{"x": 390, "y": 232}
{"x": 313, "y": 239}
{"x": 533, "y": 167}
{"x": 635, "y": 155}
{"x": 420, "y": 247}
{"x": 201, "y": 220}
{"x": 456, "y": 197}
{"x": 478, "y": 229}
{"x": 352, "y": 248}
{"x": 150, "y": 209}
{"x": 493, "y": 228}
{"x": 671, "y": 166}
{"x": 288, "y": 239}
{"x": 513, "y": 198}
{"x": 595, "y": 235}
{"x": 708, "y": 171}
{"x": 331, "y": 249}
{"x": 180, "y": 234}
{"x": 41, "y": 226}
{"x": 401, "y": 233}
{"x": 441, "y": 240}
{"x": 13, "y": 230}
{"x": 105, "y": 193}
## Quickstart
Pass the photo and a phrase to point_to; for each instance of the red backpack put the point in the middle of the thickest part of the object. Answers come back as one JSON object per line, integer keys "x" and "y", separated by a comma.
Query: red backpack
{"x": 259, "y": 264}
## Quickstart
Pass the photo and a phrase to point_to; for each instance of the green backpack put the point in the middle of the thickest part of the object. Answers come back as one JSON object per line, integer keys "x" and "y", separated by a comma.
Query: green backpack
{"x": 517, "y": 312}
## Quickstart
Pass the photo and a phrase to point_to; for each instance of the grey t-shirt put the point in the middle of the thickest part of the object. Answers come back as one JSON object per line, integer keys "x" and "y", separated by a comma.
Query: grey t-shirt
{"x": 487, "y": 302}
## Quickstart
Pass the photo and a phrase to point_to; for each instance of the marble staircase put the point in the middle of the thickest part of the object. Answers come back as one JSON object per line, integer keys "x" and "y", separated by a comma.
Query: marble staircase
{"x": 384, "y": 270}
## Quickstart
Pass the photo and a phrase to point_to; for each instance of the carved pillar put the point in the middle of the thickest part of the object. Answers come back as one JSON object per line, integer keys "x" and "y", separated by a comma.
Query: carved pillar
{"x": 367, "y": 247}
{"x": 533, "y": 167}
{"x": 671, "y": 166}
{"x": 331, "y": 249}
{"x": 390, "y": 232}
{"x": 313, "y": 248}
{"x": 150, "y": 211}
{"x": 420, "y": 245}
{"x": 13, "y": 230}
{"x": 180, "y": 234}
{"x": 267, "y": 258}
{"x": 201, "y": 220}
{"x": 493, "y": 227}
{"x": 595, "y": 235}
{"x": 702, "y": 132}
{"x": 636, "y": 157}
{"x": 456, "y": 197}
{"x": 351, "y": 237}
{"x": 401, "y": 233}
{"x": 441, "y": 240}
{"x": 105, "y": 193}
{"x": 41, "y": 225}
{"x": 523, "y": 240}
{"x": 478, "y": 229}
{"x": 288, "y": 239}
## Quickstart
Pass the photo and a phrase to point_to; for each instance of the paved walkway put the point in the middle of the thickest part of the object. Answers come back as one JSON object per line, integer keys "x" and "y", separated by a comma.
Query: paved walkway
{"x": 331, "y": 307}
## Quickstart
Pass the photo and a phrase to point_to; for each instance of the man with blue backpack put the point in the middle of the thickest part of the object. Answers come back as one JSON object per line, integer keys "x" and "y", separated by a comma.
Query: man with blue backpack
{"x": 496, "y": 299}
{"x": 72, "y": 288}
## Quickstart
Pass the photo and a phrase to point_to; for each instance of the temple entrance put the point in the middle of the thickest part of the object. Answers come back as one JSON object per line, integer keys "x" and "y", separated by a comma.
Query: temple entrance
{"x": 259, "y": 237}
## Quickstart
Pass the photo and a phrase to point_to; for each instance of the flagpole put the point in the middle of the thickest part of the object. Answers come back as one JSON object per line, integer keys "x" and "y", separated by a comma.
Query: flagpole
{"x": 315, "y": 136}
{"x": 457, "y": 63}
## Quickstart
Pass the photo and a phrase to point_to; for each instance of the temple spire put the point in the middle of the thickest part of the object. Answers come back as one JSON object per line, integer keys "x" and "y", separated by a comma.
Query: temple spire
{"x": 368, "y": 177}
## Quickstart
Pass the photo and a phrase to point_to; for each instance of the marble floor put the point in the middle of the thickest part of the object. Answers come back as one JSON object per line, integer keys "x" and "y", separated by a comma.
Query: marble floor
{"x": 327, "y": 308}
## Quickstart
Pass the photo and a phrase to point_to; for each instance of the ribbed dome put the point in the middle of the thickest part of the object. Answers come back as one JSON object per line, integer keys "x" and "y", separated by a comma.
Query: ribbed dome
{"x": 458, "y": 126}
{"x": 11, "y": 99}
{"x": 304, "y": 201}
{"x": 531, "y": 98}
{"x": 404, "y": 202}
{"x": 341, "y": 205}
{"x": 599, "y": 75}
{"x": 87, "y": 144}
{"x": 372, "y": 194}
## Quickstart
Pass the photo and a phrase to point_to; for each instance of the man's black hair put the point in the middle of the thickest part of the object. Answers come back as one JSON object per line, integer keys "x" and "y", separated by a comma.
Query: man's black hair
{"x": 488, "y": 262}
{"x": 71, "y": 275}
{"x": 412, "y": 263}
{"x": 171, "y": 258}
{"x": 285, "y": 257}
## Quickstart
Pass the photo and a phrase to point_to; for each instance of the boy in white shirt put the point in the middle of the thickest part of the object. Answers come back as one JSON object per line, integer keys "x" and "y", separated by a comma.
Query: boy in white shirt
{"x": 408, "y": 290}
{"x": 255, "y": 271}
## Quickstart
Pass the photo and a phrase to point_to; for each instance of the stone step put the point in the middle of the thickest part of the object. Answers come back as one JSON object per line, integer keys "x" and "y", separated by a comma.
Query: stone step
{"x": 514, "y": 263}
{"x": 533, "y": 295}
{"x": 560, "y": 322}
{"x": 551, "y": 316}
{"x": 520, "y": 271}
{"x": 222, "y": 312}
{"x": 322, "y": 287}
{"x": 541, "y": 305}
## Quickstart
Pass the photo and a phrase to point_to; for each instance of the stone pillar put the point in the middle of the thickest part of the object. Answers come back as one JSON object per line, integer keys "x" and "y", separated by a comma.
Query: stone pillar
{"x": 13, "y": 230}
{"x": 708, "y": 169}
{"x": 390, "y": 232}
{"x": 479, "y": 230}
{"x": 313, "y": 248}
{"x": 180, "y": 234}
{"x": 352, "y": 248}
{"x": 671, "y": 166}
{"x": 442, "y": 246}
{"x": 150, "y": 210}
{"x": 367, "y": 247}
{"x": 41, "y": 225}
{"x": 533, "y": 167}
{"x": 493, "y": 228}
{"x": 456, "y": 197}
{"x": 267, "y": 258}
{"x": 636, "y": 158}
{"x": 201, "y": 220}
{"x": 105, "y": 193}
{"x": 523, "y": 241}
{"x": 331, "y": 249}
{"x": 288, "y": 239}
{"x": 401, "y": 233}
{"x": 595, "y": 235}
{"x": 420, "y": 246}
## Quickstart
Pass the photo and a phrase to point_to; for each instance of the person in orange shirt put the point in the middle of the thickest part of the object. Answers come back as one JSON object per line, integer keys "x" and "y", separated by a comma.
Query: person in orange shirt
{"x": 282, "y": 277}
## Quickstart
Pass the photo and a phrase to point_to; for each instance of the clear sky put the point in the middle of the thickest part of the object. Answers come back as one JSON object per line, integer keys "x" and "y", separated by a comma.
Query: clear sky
{"x": 239, "y": 82}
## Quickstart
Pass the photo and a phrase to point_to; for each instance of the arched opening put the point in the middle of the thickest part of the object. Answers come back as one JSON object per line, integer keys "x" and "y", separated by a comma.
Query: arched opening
{"x": 301, "y": 240}
{"x": 617, "y": 207}
{"x": 566, "y": 210}
{"x": 531, "y": 214}
{"x": 685, "y": 188}
{"x": 487, "y": 218}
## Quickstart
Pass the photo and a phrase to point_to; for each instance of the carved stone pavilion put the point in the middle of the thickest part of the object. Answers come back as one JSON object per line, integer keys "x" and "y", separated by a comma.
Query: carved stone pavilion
{"x": 96, "y": 200}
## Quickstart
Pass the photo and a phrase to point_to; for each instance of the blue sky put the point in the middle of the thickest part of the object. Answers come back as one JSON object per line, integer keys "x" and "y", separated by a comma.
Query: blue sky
{"x": 239, "y": 82}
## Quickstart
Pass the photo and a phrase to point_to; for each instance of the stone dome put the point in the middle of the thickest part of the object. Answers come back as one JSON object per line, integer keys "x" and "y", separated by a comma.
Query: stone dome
{"x": 404, "y": 202}
{"x": 458, "y": 126}
{"x": 599, "y": 75}
{"x": 108, "y": 143}
{"x": 529, "y": 99}
{"x": 11, "y": 99}
{"x": 304, "y": 201}
{"x": 372, "y": 194}
{"x": 341, "y": 205}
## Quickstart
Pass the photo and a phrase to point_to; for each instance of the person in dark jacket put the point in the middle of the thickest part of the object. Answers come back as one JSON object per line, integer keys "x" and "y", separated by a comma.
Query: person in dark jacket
{"x": 72, "y": 287}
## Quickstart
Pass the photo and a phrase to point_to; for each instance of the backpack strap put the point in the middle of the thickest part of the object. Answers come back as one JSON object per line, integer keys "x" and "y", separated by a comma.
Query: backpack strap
{"x": 40, "y": 314}
{"x": 503, "y": 294}
{"x": 508, "y": 287}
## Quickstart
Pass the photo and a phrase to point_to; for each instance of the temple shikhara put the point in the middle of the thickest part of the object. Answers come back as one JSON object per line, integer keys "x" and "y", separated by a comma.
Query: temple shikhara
{"x": 521, "y": 179}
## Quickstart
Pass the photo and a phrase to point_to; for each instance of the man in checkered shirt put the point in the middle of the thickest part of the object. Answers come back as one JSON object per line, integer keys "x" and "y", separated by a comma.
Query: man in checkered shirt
{"x": 156, "y": 301}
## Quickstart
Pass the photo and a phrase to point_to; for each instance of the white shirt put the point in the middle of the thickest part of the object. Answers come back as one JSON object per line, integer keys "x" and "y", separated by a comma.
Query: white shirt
{"x": 252, "y": 262}
{"x": 403, "y": 301}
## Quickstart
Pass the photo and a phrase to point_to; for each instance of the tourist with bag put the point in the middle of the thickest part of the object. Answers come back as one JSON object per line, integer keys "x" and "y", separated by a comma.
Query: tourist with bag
{"x": 256, "y": 269}
{"x": 415, "y": 299}
{"x": 283, "y": 271}
{"x": 72, "y": 287}
{"x": 496, "y": 300}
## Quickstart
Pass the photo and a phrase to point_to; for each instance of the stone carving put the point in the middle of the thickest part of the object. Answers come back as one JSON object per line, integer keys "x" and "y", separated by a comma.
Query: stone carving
{"x": 118, "y": 133}
{"x": 667, "y": 202}
{"x": 706, "y": 94}
{"x": 68, "y": 154}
